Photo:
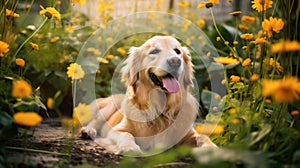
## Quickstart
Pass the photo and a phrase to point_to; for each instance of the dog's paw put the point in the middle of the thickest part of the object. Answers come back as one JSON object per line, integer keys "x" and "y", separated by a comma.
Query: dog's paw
{"x": 88, "y": 132}
{"x": 129, "y": 148}
{"x": 204, "y": 141}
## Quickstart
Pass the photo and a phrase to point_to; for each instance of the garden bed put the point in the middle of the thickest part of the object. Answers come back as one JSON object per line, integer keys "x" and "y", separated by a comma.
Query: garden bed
{"x": 48, "y": 146}
{"x": 51, "y": 136}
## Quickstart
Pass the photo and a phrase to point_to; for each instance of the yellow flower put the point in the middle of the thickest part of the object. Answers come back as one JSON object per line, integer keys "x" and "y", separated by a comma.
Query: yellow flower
{"x": 218, "y": 38}
{"x": 50, "y": 103}
{"x": 29, "y": 119}
{"x": 58, "y": 2}
{"x": 21, "y": 89}
{"x": 226, "y": 42}
{"x": 110, "y": 56}
{"x": 284, "y": 90}
{"x": 20, "y": 62}
{"x": 235, "y": 13}
{"x": 246, "y": 62}
{"x": 259, "y": 40}
{"x": 254, "y": 77}
{"x": 34, "y": 46}
{"x": 109, "y": 40}
{"x": 94, "y": 50}
{"x": 183, "y": 4}
{"x": 232, "y": 111}
{"x": 105, "y": 6}
{"x": 269, "y": 63}
{"x": 75, "y": 71}
{"x": 235, "y": 121}
{"x": 234, "y": 78}
{"x": 80, "y": 2}
{"x": 82, "y": 113}
{"x": 247, "y": 36}
{"x": 54, "y": 39}
{"x": 10, "y": 13}
{"x": 261, "y": 5}
{"x": 103, "y": 60}
{"x": 235, "y": 43}
{"x": 226, "y": 60}
{"x": 248, "y": 19}
{"x": 200, "y": 23}
{"x": 268, "y": 101}
{"x": 217, "y": 97}
{"x": 245, "y": 47}
{"x": 272, "y": 25}
{"x": 70, "y": 28}
{"x": 208, "y": 4}
{"x": 209, "y": 129}
{"x": 70, "y": 122}
{"x": 4, "y": 48}
{"x": 295, "y": 113}
{"x": 285, "y": 46}
{"x": 50, "y": 12}
{"x": 121, "y": 51}
{"x": 214, "y": 1}
{"x": 243, "y": 27}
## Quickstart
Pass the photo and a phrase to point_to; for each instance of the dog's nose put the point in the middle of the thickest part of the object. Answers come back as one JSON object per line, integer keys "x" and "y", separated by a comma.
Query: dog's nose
{"x": 174, "y": 62}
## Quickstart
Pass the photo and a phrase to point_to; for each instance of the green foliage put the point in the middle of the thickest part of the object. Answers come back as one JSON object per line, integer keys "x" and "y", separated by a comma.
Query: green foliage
{"x": 169, "y": 158}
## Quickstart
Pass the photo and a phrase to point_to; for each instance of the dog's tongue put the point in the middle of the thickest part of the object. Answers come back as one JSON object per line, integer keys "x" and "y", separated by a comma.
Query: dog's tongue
{"x": 171, "y": 84}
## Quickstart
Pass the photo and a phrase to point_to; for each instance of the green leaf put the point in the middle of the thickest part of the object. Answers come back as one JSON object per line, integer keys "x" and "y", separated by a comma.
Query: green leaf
{"x": 215, "y": 157}
{"x": 7, "y": 127}
{"x": 5, "y": 119}
{"x": 259, "y": 135}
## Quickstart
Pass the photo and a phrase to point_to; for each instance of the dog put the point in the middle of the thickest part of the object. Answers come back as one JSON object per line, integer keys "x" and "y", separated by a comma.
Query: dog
{"x": 158, "y": 109}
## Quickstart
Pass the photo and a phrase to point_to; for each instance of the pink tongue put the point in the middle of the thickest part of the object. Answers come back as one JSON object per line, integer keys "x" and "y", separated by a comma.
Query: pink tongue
{"x": 171, "y": 85}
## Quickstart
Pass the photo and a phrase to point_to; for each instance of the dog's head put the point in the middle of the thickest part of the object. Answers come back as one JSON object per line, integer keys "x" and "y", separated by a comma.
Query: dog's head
{"x": 161, "y": 62}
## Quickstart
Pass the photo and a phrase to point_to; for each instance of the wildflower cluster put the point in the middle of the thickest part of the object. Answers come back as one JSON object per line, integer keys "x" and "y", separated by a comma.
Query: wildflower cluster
{"x": 261, "y": 82}
{"x": 19, "y": 103}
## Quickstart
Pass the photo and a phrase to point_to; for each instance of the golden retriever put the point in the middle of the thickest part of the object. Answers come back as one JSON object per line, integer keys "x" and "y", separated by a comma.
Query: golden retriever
{"x": 158, "y": 109}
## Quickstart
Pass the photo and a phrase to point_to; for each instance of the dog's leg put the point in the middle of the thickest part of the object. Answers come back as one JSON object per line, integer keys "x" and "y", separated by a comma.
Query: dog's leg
{"x": 102, "y": 116}
{"x": 119, "y": 142}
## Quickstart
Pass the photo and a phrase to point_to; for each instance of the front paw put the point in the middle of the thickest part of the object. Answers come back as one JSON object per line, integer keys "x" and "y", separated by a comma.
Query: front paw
{"x": 204, "y": 141}
{"x": 88, "y": 132}
{"x": 129, "y": 148}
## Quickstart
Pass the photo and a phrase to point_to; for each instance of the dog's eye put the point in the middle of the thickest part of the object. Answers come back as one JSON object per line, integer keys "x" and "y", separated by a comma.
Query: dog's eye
{"x": 155, "y": 51}
{"x": 177, "y": 51}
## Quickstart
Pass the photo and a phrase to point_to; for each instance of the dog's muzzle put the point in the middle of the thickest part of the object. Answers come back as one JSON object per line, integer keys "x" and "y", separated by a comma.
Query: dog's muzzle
{"x": 168, "y": 83}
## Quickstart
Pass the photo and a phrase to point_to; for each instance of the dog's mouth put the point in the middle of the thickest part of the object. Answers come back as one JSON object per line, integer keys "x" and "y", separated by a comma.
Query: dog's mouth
{"x": 168, "y": 83}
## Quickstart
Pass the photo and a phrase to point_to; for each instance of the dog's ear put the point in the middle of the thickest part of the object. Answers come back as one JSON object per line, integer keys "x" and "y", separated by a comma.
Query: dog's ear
{"x": 131, "y": 67}
{"x": 188, "y": 68}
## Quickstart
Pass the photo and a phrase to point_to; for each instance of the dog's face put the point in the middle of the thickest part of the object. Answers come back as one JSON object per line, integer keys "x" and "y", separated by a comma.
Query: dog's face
{"x": 161, "y": 62}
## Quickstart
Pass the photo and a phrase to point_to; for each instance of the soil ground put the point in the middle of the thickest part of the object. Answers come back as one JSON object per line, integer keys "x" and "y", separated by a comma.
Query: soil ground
{"x": 65, "y": 152}
{"x": 51, "y": 136}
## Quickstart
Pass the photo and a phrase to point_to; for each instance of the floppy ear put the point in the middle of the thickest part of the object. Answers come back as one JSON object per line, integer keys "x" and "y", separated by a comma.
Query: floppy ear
{"x": 132, "y": 67}
{"x": 188, "y": 67}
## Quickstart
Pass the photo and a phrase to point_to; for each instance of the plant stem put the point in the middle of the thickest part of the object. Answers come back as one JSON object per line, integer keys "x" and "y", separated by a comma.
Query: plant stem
{"x": 219, "y": 33}
{"x": 25, "y": 145}
{"x": 21, "y": 46}
{"x": 74, "y": 91}
{"x": 35, "y": 150}
{"x": 226, "y": 80}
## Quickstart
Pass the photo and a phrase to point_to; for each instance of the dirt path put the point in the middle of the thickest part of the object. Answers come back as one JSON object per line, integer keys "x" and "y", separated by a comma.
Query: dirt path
{"x": 51, "y": 136}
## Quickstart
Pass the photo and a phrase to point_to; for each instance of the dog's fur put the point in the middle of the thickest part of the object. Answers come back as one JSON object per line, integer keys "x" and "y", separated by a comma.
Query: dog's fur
{"x": 152, "y": 113}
